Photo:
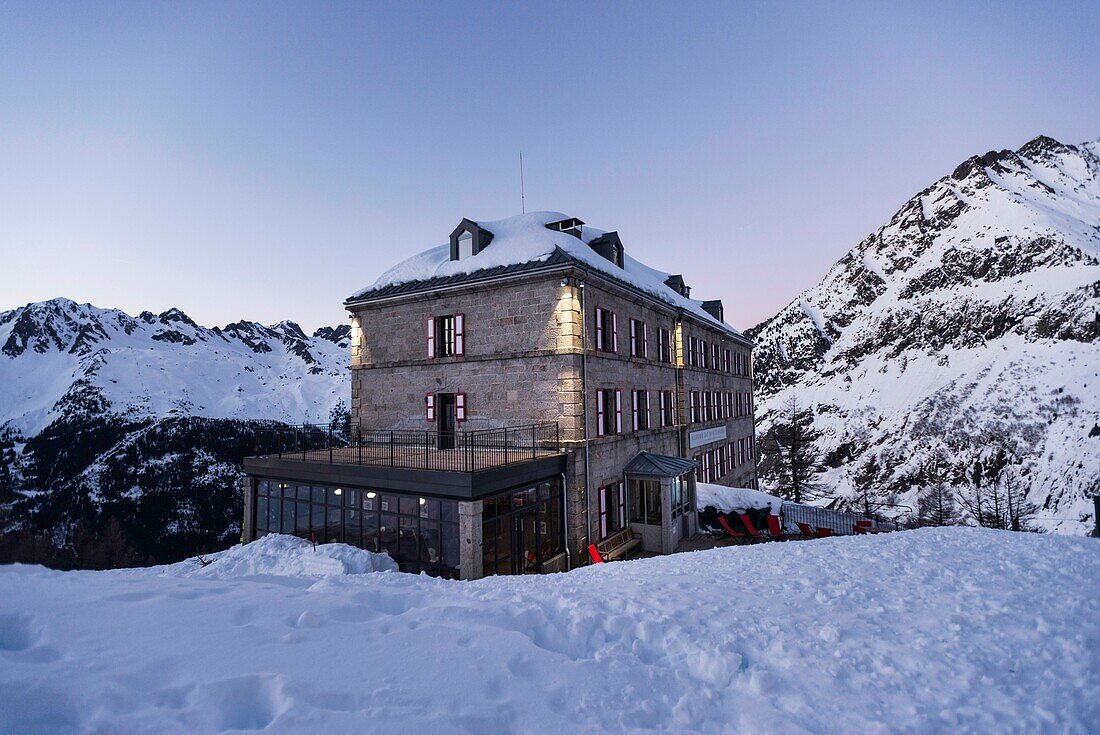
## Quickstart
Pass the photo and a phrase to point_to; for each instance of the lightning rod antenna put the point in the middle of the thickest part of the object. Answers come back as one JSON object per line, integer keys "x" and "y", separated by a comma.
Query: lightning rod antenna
{"x": 522, "y": 194}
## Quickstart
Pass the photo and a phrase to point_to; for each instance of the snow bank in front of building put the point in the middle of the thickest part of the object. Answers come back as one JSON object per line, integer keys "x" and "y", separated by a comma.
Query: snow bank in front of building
{"x": 727, "y": 499}
{"x": 939, "y": 630}
{"x": 288, "y": 556}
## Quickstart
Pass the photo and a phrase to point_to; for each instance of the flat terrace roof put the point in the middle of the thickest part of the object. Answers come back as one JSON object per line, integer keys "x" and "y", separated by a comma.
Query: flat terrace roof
{"x": 460, "y": 465}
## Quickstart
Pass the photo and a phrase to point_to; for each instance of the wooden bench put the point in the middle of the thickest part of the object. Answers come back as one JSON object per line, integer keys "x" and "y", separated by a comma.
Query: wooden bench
{"x": 618, "y": 544}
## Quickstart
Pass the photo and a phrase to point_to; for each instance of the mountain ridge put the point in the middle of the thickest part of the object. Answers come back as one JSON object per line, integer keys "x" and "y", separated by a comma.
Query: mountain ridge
{"x": 973, "y": 312}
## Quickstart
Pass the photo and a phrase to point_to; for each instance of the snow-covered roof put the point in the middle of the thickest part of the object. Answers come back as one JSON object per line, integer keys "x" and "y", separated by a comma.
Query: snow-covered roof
{"x": 525, "y": 239}
{"x": 727, "y": 499}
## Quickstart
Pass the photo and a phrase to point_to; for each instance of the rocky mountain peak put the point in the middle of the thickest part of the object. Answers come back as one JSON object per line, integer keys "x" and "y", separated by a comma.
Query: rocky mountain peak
{"x": 981, "y": 293}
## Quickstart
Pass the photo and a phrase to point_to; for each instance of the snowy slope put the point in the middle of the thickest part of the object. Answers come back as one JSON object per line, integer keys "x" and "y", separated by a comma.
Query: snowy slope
{"x": 930, "y": 631}
{"x": 969, "y": 318}
{"x": 157, "y": 366}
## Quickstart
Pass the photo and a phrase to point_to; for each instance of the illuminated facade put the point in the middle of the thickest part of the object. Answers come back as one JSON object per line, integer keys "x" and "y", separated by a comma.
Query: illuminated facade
{"x": 547, "y": 405}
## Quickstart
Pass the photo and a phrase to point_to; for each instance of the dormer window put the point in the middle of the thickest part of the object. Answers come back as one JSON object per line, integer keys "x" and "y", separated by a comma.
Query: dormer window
{"x": 469, "y": 239}
{"x": 609, "y": 246}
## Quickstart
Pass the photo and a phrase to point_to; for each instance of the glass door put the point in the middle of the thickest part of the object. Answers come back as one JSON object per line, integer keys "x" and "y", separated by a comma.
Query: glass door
{"x": 445, "y": 406}
{"x": 526, "y": 558}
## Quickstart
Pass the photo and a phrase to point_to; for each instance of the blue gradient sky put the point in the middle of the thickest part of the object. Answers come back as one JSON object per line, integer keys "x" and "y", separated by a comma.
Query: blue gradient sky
{"x": 263, "y": 161}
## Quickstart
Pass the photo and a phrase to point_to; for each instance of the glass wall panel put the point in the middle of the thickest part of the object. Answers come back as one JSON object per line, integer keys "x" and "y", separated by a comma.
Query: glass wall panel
{"x": 421, "y": 534}
{"x": 387, "y": 535}
{"x": 288, "y": 515}
{"x": 334, "y": 528}
{"x": 522, "y": 529}
{"x": 408, "y": 543}
{"x": 301, "y": 525}
{"x": 370, "y": 531}
{"x": 352, "y": 534}
{"x": 317, "y": 522}
{"x": 261, "y": 514}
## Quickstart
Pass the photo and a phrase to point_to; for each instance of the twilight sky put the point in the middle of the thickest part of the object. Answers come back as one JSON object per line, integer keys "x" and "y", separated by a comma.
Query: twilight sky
{"x": 265, "y": 160}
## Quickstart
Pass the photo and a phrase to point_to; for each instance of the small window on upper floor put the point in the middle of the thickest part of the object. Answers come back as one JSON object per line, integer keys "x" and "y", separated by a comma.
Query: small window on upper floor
{"x": 664, "y": 345}
{"x": 607, "y": 331}
{"x": 446, "y": 335}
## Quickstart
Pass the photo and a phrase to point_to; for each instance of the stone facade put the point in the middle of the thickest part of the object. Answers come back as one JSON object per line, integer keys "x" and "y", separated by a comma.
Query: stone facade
{"x": 530, "y": 355}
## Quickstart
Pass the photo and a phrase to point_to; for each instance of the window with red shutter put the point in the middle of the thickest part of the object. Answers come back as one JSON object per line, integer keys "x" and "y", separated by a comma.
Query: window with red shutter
{"x": 429, "y": 407}
{"x": 431, "y": 337}
{"x": 460, "y": 334}
{"x": 601, "y": 413}
{"x": 618, "y": 412}
{"x": 460, "y": 406}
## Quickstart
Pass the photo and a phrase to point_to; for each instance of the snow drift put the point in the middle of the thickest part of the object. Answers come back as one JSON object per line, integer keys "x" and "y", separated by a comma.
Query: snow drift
{"x": 930, "y": 631}
{"x": 288, "y": 556}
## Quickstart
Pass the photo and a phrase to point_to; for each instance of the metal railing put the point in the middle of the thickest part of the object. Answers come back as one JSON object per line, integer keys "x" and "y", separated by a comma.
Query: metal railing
{"x": 840, "y": 522}
{"x": 456, "y": 451}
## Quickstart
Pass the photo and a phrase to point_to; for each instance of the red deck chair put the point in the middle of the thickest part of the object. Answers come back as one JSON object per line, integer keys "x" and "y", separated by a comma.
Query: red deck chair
{"x": 595, "y": 554}
{"x": 773, "y": 525}
{"x": 729, "y": 529}
{"x": 824, "y": 532}
{"x": 806, "y": 529}
{"x": 749, "y": 527}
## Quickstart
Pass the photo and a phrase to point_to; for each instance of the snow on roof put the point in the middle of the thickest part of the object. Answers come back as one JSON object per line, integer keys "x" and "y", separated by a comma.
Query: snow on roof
{"x": 725, "y": 499}
{"x": 525, "y": 239}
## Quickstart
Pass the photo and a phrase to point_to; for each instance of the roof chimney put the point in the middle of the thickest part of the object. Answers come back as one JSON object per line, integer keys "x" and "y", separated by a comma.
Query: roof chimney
{"x": 570, "y": 226}
{"x": 714, "y": 308}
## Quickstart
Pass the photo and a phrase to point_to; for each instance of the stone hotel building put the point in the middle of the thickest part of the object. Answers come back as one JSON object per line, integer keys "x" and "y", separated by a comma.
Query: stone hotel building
{"x": 518, "y": 394}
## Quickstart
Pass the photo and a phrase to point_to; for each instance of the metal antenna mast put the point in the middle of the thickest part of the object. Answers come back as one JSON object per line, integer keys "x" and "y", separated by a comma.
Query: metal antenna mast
{"x": 522, "y": 194}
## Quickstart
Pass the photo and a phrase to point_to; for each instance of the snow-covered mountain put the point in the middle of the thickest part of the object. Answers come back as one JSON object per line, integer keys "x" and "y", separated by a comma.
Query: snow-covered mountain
{"x": 59, "y": 356}
{"x": 105, "y": 414}
{"x": 969, "y": 322}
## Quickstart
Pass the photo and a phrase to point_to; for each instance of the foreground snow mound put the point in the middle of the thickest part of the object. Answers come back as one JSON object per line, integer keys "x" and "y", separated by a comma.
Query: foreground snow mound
{"x": 289, "y": 556}
{"x": 930, "y": 631}
{"x": 727, "y": 499}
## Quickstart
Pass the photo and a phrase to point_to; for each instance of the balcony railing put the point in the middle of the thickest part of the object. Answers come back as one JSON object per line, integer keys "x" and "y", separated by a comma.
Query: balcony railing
{"x": 456, "y": 451}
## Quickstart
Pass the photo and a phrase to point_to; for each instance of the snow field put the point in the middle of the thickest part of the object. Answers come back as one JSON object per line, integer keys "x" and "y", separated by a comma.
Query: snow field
{"x": 960, "y": 630}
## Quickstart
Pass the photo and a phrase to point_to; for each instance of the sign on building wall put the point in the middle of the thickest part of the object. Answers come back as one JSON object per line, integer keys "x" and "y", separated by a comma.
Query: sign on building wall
{"x": 706, "y": 436}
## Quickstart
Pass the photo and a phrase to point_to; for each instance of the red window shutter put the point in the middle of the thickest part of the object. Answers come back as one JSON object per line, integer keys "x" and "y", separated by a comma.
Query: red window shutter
{"x": 648, "y": 410}
{"x": 633, "y": 338}
{"x": 645, "y": 341}
{"x": 460, "y": 406}
{"x": 634, "y": 409}
{"x": 460, "y": 334}
{"x": 429, "y": 407}
{"x": 599, "y": 328}
{"x": 618, "y": 412}
{"x": 602, "y": 492}
{"x": 614, "y": 333}
{"x": 431, "y": 337}
{"x": 601, "y": 410}
{"x": 622, "y": 506}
